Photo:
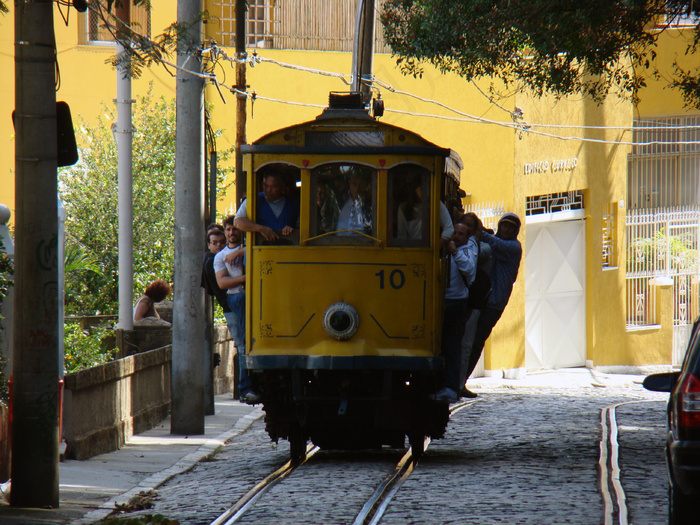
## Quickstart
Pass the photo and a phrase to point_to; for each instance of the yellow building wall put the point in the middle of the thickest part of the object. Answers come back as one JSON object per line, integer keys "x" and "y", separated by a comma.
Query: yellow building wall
{"x": 494, "y": 156}
{"x": 86, "y": 82}
{"x": 483, "y": 147}
{"x": 656, "y": 99}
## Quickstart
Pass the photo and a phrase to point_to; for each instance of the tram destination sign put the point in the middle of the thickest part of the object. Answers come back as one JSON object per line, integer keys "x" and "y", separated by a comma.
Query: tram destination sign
{"x": 545, "y": 166}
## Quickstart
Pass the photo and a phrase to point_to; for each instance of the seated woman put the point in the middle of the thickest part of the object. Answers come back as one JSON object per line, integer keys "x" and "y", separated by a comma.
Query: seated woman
{"x": 145, "y": 307}
{"x": 356, "y": 213}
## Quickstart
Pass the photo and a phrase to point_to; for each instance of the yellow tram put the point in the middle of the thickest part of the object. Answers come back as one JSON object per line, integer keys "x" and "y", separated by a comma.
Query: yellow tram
{"x": 343, "y": 316}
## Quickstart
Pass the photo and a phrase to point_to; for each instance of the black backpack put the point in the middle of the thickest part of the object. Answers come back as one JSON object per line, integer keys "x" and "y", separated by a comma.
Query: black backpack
{"x": 480, "y": 289}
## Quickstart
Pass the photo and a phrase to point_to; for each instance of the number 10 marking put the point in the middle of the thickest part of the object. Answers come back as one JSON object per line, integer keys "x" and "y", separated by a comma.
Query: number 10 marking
{"x": 396, "y": 279}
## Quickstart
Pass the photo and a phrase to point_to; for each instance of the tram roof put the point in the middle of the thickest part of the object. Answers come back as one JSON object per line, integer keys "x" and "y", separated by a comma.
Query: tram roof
{"x": 355, "y": 133}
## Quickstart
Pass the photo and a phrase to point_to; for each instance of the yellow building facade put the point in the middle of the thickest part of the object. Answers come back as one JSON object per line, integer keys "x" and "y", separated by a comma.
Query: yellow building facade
{"x": 562, "y": 168}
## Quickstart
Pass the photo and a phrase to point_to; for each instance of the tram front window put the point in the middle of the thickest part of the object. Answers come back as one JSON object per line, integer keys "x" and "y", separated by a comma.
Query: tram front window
{"x": 409, "y": 187}
{"x": 344, "y": 208}
{"x": 277, "y": 204}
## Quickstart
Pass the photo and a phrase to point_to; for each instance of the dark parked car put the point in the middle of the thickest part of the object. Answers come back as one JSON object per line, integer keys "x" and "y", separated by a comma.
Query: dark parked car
{"x": 683, "y": 439}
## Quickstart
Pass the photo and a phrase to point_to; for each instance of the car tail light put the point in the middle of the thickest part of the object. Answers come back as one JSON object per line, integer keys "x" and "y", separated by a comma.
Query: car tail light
{"x": 689, "y": 397}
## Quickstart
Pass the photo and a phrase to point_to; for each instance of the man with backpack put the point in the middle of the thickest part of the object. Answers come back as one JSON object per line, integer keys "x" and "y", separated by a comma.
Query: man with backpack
{"x": 506, "y": 252}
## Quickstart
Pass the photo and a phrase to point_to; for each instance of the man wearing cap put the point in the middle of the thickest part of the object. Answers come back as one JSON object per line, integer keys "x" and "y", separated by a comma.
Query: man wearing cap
{"x": 506, "y": 253}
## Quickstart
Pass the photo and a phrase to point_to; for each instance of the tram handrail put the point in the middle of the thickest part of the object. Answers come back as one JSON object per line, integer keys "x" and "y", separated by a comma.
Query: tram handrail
{"x": 378, "y": 241}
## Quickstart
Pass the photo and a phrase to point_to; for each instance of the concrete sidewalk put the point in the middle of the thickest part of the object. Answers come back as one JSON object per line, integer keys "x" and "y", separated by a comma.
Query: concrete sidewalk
{"x": 90, "y": 489}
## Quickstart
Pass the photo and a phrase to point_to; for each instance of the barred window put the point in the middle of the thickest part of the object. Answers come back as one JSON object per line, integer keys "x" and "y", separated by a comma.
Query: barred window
{"x": 663, "y": 166}
{"x": 97, "y": 25}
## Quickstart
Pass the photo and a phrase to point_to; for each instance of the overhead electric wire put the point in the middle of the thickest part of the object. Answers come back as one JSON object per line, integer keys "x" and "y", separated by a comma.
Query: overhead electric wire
{"x": 516, "y": 125}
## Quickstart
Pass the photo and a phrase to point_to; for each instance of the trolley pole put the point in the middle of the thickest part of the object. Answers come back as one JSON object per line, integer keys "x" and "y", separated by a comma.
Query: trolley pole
{"x": 35, "y": 362}
{"x": 363, "y": 53}
{"x": 188, "y": 358}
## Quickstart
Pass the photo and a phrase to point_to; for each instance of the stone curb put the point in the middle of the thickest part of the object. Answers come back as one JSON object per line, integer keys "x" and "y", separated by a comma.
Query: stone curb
{"x": 155, "y": 480}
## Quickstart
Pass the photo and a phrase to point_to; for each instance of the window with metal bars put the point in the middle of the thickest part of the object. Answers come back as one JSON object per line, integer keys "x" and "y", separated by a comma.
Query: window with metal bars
{"x": 663, "y": 166}
{"x": 97, "y": 25}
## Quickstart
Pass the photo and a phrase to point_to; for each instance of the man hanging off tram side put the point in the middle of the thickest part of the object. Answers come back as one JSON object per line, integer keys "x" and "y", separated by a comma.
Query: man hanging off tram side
{"x": 230, "y": 276}
{"x": 277, "y": 209}
{"x": 506, "y": 252}
{"x": 463, "y": 252}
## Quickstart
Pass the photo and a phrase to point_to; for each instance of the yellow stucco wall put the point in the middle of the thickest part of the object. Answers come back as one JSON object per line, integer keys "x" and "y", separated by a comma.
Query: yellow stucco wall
{"x": 656, "y": 99}
{"x": 483, "y": 147}
{"x": 494, "y": 156}
{"x": 86, "y": 82}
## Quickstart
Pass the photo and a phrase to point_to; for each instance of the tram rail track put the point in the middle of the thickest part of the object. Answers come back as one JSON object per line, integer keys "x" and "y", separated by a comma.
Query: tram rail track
{"x": 372, "y": 510}
{"x": 235, "y": 512}
{"x": 610, "y": 472}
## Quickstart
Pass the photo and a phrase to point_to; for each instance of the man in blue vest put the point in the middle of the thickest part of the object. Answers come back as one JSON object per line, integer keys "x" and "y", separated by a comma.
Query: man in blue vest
{"x": 277, "y": 211}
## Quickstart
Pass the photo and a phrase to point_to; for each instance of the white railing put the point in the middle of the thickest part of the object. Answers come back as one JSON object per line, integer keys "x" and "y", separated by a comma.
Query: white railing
{"x": 488, "y": 212}
{"x": 663, "y": 242}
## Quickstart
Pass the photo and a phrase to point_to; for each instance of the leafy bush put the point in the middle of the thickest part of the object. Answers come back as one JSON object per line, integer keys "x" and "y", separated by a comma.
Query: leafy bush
{"x": 89, "y": 193}
{"x": 84, "y": 348}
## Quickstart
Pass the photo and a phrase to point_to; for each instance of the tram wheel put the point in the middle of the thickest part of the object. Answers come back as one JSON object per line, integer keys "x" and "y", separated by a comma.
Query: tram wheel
{"x": 297, "y": 444}
{"x": 417, "y": 442}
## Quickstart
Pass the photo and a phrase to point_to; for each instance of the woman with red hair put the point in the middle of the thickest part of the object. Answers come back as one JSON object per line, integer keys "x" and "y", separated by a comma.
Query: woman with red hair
{"x": 155, "y": 293}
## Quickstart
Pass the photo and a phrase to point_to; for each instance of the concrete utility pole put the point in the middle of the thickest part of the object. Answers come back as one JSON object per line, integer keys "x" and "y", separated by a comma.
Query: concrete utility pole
{"x": 35, "y": 362}
{"x": 189, "y": 358}
{"x": 363, "y": 53}
{"x": 241, "y": 98}
{"x": 123, "y": 137}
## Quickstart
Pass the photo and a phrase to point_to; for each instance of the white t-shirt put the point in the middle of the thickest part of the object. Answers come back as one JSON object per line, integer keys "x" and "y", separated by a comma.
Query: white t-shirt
{"x": 234, "y": 270}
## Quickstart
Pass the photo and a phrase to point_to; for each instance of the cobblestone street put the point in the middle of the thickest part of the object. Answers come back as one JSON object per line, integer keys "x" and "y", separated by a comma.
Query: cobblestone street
{"x": 526, "y": 455}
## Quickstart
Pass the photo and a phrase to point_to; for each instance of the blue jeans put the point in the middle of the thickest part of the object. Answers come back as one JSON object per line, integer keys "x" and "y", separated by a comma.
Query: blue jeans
{"x": 455, "y": 317}
{"x": 236, "y": 326}
{"x": 487, "y": 320}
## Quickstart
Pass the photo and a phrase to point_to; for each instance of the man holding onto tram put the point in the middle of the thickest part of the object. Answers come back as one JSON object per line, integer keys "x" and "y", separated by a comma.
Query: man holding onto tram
{"x": 463, "y": 252}
{"x": 230, "y": 276}
{"x": 277, "y": 210}
{"x": 506, "y": 253}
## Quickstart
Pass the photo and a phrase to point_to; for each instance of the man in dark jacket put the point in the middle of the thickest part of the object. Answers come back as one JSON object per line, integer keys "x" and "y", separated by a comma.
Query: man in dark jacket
{"x": 506, "y": 252}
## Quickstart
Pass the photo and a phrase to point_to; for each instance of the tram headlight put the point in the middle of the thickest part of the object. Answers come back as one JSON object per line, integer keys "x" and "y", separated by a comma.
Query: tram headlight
{"x": 341, "y": 321}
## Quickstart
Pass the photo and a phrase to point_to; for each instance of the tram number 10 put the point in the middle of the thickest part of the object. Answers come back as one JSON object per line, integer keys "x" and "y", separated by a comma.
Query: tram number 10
{"x": 396, "y": 279}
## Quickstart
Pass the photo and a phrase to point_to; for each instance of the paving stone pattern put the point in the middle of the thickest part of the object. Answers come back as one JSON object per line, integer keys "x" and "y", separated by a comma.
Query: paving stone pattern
{"x": 526, "y": 455}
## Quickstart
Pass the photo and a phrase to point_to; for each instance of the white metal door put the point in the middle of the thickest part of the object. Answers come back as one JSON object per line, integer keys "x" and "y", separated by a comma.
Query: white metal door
{"x": 555, "y": 300}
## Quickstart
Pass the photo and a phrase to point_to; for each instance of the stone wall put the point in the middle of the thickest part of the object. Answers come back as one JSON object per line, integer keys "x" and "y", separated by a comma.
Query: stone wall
{"x": 105, "y": 405}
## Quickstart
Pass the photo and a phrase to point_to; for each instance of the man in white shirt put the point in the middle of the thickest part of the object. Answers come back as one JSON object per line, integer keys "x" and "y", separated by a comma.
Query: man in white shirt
{"x": 230, "y": 276}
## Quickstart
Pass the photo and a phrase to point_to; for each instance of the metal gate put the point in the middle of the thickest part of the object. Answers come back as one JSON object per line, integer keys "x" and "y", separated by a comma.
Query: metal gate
{"x": 664, "y": 242}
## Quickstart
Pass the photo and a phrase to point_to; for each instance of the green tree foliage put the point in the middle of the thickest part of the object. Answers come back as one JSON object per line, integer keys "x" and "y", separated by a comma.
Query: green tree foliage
{"x": 592, "y": 47}
{"x": 84, "y": 348}
{"x": 89, "y": 193}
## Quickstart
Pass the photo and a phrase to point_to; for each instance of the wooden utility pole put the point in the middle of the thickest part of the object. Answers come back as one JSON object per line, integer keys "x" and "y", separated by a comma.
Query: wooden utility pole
{"x": 35, "y": 398}
{"x": 241, "y": 99}
{"x": 188, "y": 357}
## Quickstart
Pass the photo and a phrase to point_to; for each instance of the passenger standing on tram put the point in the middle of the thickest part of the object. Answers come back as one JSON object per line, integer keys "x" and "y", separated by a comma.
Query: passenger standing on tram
{"x": 506, "y": 252}
{"x": 216, "y": 241}
{"x": 230, "y": 276}
{"x": 475, "y": 228}
{"x": 462, "y": 251}
{"x": 277, "y": 209}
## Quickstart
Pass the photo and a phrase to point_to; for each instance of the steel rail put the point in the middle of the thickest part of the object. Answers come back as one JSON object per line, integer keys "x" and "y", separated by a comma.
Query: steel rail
{"x": 610, "y": 453}
{"x": 234, "y": 513}
{"x": 374, "y": 508}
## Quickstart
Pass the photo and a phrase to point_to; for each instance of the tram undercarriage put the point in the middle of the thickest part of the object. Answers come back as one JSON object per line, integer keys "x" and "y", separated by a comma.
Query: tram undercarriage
{"x": 351, "y": 409}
